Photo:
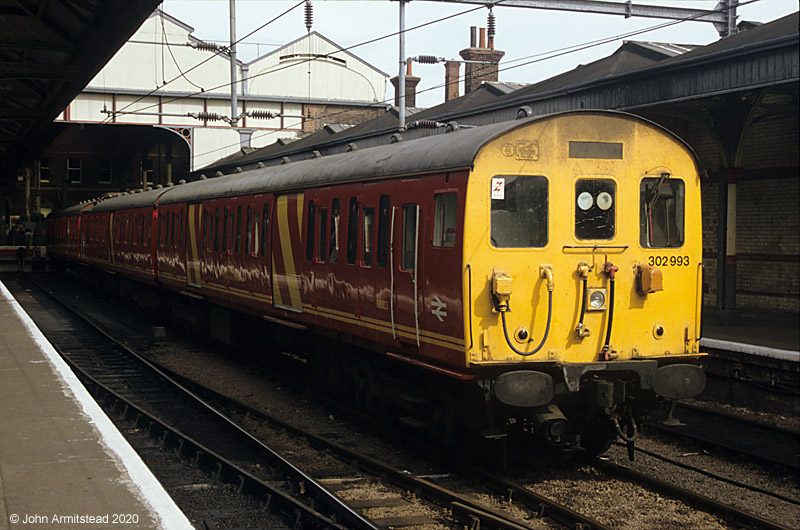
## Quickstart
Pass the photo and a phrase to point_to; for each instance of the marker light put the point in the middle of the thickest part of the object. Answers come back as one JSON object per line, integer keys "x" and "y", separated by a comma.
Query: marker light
{"x": 597, "y": 300}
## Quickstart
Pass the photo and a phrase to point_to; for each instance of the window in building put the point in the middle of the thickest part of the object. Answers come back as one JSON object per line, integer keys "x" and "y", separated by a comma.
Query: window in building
{"x": 322, "y": 247}
{"x": 444, "y": 220}
{"x": 148, "y": 171}
{"x": 333, "y": 246}
{"x": 310, "y": 226}
{"x": 352, "y": 230}
{"x": 44, "y": 169}
{"x": 595, "y": 208}
{"x": 73, "y": 169}
{"x": 519, "y": 211}
{"x": 409, "y": 243}
{"x": 367, "y": 238}
{"x": 104, "y": 171}
{"x": 661, "y": 212}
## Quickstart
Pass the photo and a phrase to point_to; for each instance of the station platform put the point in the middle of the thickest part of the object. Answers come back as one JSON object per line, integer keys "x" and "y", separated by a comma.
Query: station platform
{"x": 775, "y": 336}
{"x": 63, "y": 464}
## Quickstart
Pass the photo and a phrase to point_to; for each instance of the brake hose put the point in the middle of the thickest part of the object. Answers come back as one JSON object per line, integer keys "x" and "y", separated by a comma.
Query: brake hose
{"x": 611, "y": 271}
{"x": 579, "y": 329}
{"x": 546, "y": 331}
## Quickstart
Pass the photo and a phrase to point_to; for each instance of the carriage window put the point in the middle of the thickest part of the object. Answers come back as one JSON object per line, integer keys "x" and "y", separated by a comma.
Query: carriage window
{"x": 182, "y": 231}
{"x": 322, "y": 248}
{"x": 409, "y": 247}
{"x": 265, "y": 229}
{"x": 216, "y": 229}
{"x": 595, "y": 207}
{"x": 367, "y": 239}
{"x": 225, "y": 229}
{"x": 333, "y": 248}
{"x": 444, "y": 220}
{"x": 352, "y": 231}
{"x": 238, "y": 229}
{"x": 519, "y": 211}
{"x": 233, "y": 226}
{"x": 661, "y": 212}
{"x": 384, "y": 211}
{"x": 310, "y": 230}
{"x": 248, "y": 244}
{"x": 256, "y": 232}
{"x": 205, "y": 230}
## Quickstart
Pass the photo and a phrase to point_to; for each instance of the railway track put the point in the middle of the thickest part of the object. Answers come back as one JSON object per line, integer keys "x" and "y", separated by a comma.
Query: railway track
{"x": 145, "y": 397}
{"x": 729, "y": 512}
{"x": 764, "y": 444}
{"x": 464, "y": 510}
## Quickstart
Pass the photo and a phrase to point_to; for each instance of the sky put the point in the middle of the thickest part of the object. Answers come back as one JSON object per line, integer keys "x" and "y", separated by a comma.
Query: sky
{"x": 530, "y": 36}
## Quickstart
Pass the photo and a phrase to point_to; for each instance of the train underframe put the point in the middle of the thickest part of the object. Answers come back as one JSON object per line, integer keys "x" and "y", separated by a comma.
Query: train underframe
{"x": 578, "y": 408}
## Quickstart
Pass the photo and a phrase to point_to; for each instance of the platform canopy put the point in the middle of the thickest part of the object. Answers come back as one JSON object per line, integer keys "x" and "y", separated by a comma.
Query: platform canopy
{"x": 50, "y": 50}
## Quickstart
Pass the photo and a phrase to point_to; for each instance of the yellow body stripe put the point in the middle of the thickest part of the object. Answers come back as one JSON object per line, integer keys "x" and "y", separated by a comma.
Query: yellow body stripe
{"x": 292, "y": 281}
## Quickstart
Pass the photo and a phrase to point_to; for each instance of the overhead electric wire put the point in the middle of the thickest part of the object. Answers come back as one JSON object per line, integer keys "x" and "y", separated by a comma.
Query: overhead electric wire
{"x": 348, "y": 48}
{"x": 549, "y": 54}
{"x": 203, "y": 62}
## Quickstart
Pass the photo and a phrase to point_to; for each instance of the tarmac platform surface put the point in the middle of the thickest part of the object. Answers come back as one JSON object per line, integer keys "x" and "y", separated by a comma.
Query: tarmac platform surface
{"x": 63, "y": 464}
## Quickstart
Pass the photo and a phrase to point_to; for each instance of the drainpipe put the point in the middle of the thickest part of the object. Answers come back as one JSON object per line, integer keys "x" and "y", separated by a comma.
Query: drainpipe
{"x": 234, "y": 87}
{"x": 401, "y": 78}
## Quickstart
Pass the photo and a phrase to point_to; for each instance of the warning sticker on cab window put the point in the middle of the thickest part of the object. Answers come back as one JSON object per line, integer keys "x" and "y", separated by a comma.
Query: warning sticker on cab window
{"x": 499, "y": 188}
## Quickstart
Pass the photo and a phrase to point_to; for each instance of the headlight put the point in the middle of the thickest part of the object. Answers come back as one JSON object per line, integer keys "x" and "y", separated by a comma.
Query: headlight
{"x": 597, "y": 299}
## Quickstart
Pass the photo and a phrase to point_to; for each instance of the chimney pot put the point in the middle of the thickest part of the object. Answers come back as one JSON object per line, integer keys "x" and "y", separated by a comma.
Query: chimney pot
{"x": 473, "y": 36}
{"x": 483, "y": 38}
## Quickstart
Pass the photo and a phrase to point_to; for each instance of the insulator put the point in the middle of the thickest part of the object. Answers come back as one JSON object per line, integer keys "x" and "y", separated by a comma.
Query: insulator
{"x": 427, "y": 124}
{"x": 490, "y": 25}
{"x": 208, "y": 116}
{"x": 309, "y": 15}
{"x": 426, "y": 59}
{"x": 261, "y": 114}
{"x": 206, "y": 46}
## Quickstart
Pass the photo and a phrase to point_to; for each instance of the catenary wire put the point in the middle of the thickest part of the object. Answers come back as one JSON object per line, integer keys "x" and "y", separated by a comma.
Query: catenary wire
{"x": 540, "y": 57}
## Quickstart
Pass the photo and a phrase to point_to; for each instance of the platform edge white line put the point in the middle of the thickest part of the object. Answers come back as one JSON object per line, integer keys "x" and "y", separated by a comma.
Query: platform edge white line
{"x": 151, "y": 491}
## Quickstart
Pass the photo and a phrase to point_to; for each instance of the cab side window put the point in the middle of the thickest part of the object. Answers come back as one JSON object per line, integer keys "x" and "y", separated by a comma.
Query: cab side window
{"x": 444, "y": 220}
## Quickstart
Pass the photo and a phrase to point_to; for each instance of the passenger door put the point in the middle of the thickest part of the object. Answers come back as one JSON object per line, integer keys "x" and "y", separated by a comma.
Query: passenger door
{"x": 405, "y": 310}
{"x": 192, "y": 247}
{"x": 287, "y": 252}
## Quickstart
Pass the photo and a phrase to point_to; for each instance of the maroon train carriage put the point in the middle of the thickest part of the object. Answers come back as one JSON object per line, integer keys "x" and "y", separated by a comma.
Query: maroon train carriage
{"x": 411, "y": 257}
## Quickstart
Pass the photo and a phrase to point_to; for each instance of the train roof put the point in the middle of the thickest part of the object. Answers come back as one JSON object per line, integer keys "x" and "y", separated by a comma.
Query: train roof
{"x": 441, "y": 152}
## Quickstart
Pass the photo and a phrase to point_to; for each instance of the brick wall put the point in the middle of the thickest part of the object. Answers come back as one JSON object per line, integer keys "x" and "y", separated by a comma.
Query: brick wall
{"x": 338, "y": 115}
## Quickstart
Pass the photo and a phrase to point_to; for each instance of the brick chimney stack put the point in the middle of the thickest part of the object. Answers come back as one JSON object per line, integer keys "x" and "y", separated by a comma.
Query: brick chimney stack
{"x": 476, "y": 73}
{"x": 411, "y": 88}
{"x": 452, "y": 72}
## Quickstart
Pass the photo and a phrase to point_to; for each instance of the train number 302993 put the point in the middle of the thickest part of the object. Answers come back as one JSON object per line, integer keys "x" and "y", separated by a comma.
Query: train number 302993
{"x": 668, "y": 261}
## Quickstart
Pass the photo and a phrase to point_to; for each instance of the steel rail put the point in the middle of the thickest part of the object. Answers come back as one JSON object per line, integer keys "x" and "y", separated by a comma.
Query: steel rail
{"x": 200, "y": 454}
{"x": 760, "y": 458}
{"x": 738, "y": 419}
{"x": 712, "y": 475}
{"x": 461, "y": 506}
{"x": 458, "y": 503}
{"x": 344, "y": 513}
{"x": 698, "y": 500}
